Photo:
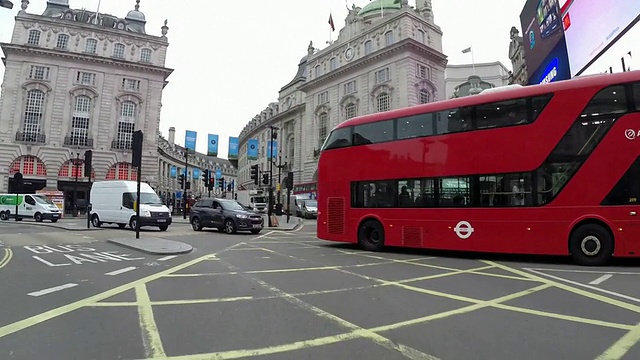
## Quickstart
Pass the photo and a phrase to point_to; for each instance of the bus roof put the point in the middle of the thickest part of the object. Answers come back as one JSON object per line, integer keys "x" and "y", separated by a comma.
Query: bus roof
{"x": 495, "y": 96}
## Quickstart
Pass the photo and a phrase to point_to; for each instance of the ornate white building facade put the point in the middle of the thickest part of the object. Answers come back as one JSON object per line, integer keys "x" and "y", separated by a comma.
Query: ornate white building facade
{"x": 388, "y": 56}
{"x": 76, "y": 80}
{"x": 519, "y": 74}
{"x": 468, "y": 79}
{"x": 171, "y": 155}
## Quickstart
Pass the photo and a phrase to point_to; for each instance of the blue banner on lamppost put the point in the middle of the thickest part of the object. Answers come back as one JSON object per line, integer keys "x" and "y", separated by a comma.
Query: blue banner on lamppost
{"x": 212, "y": 146}
{"x": 190, "y": 140}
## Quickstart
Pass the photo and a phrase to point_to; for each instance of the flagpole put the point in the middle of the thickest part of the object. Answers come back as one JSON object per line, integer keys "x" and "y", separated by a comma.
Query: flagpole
{"x": 473, "y": 62}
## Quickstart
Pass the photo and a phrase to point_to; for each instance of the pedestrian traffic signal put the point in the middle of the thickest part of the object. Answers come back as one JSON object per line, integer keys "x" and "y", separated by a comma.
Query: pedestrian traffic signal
{"x": 181, "y": 181}
{"x": 205, "y": 177}
{"x": 255, "y": 171}
{"x": 265, "y": 179}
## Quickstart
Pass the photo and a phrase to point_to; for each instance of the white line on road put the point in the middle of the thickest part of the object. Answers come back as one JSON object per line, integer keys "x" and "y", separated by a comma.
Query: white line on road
{"x": 168, "y": 257}
{"x": 121, "y": 271}
{"x": 601, "y": 279}
{"x": 51, "y": 290}
{"x": 584, "y": 286}
{"x": 587, "y": 271}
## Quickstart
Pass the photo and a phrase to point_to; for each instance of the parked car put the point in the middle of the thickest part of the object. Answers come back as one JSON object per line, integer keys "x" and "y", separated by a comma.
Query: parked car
{"x": 225, "y": 215}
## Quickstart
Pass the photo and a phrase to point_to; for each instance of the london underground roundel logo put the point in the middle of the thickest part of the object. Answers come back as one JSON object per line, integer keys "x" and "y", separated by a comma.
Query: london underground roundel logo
{"x": 253, "y": 146}
{"x": 463, "y": 229}
{"x": 630, "y": 134}
{"x": 213, "y": 141}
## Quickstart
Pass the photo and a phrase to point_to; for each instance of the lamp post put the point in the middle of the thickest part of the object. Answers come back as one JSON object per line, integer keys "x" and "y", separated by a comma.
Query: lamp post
{"x": 280, "y": 166}
{"x": 270, "y": 158}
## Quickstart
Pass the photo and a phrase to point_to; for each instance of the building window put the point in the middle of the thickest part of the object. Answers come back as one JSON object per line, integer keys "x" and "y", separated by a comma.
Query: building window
{"x": 323, "y": 124}
{"x": 388, "y": 38}
{"x": 118, "y": 51}
{"x": 86, "y": 78}
{"x": 145, "y": 56}
{"x": 37, "y": 72}
{"x": 350, "y": 87}
{"x": 382, "y": 76}
{"x": 126, "y": 125}
{"x": 80, "y": 121}
{"x": 382, "y": 102}
{"x": 424, "y": 97}
{"x": 422, "y": 71}
{"x": 350, "y": 111}
{"x": 63, "y": 41}
{"x": 33, "y": 114}
{"x": 420, "y": 36}
{"x": 318, "y": 71}
{"x": 131, "y": 85}
{"x": 34, "y": 37}
{"x": 368, "y": 47}
{"x": 333, "y": 64}
{"x": 323, "y": 98}
{"x": 91, "y": 46}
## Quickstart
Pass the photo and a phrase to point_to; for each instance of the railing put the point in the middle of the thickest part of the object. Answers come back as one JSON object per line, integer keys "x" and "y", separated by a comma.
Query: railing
{"x": 121, "y": 145}
{"x": 78, "y": 141}
{"x": 31, "y": 138}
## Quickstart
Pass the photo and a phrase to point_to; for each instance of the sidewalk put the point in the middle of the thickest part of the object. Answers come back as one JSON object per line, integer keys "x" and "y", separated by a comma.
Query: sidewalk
{"x": 294, "y": 222}
{"x": 70, "y": 223}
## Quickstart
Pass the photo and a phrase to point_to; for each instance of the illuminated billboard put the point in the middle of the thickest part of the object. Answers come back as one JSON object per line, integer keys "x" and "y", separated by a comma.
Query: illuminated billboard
{"x": 554, "y": 68}
{"x": 541, "y": 22}
{"x": 623, "y": 55}
{"x": 591, "y": 27}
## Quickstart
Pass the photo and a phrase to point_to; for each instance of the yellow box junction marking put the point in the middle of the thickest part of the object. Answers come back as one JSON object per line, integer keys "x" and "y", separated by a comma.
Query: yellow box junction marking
{"x": 6, "y": 258}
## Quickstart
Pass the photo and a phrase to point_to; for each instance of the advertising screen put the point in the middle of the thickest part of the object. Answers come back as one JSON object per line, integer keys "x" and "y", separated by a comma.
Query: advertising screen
{"x": 591, "y": 26}
{"x": 623, "y": 55}
{"x": 554, "y": 68}
{"x": 541, "y": 22}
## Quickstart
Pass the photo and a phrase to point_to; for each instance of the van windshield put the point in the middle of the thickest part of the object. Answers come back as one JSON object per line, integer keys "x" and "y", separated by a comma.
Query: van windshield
{"x": 259, "y": 200}
{"x": 148, "y": 198}
{"x": 42, "y": 199}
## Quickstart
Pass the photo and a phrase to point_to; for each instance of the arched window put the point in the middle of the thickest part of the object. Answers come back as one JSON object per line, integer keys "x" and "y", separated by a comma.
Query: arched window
{"x": 420, "y": 36}
{"x": 122, "y": 171}
{"x": 118, "y": 51}
{"x": 145, "y": 55}
{"x": 63, "y": 41}
{"x": 350, "y": 111}
{"x": 323, "y": 125}
{"x": 424, "y": 97}
{"x": 33, "y": 113}
{"x": 34, "y": 37}
{"x": 91, "y": 46}
{"x": 368, "y": 47}
{"x": 80, "y": 121}
{"x": 388, "y": 37}
{"x": 126, "y": 125}
{"x": 382, "y": 102}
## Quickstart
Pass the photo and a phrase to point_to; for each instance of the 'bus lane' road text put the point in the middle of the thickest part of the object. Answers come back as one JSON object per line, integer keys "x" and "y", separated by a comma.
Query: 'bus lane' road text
{"x": 66, "y": 255}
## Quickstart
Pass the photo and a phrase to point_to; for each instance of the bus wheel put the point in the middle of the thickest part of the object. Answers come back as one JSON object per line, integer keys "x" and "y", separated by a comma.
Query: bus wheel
{"x": 591, "y": 245}
{"x": 371, "y": 235}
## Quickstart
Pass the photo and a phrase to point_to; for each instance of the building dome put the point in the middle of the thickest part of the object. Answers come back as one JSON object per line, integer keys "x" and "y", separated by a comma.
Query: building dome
{"x": 136, "y": 15}
{"x": 376, "y": 6}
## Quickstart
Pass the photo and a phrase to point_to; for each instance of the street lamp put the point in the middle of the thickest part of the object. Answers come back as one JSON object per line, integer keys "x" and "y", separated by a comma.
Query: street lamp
{"x": 280, "y": 166}
{"x": 6, "y": 4}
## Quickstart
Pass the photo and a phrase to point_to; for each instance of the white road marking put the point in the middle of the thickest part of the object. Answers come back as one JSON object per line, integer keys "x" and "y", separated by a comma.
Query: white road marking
{"x": 623, "y": 296}
{"x": 168, "y": 258}
{"x": 601, "y": 279}
{"x": 588, "y": 271}
{"x": 51, "y": 290}
{"x": 121, "y": 271}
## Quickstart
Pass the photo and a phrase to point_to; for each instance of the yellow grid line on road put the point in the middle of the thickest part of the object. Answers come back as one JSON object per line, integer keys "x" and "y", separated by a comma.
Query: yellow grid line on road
{"x": 150, "y": 335}
{"x": 8, "y": 254}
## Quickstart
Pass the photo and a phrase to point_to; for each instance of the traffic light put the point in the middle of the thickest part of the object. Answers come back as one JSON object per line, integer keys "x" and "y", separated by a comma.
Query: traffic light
{"x": 88, "y": 158}
{"x": 289, "y": 181}
{"x": 136, "y": 149}
{"x": 228, "y": 187}
{"x": 265, "y": 179}
{"x": 255, "y": 171}
{"x": 221, "y": 183}
{"x": 205, "y": 177}
{"x": 211, "y": 184}
{"x": 181, "y": 181}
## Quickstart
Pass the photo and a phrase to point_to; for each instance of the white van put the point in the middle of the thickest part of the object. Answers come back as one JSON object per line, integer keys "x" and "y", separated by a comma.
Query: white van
{"x": 36, "y": 206}
{"x": 113, "y": 202}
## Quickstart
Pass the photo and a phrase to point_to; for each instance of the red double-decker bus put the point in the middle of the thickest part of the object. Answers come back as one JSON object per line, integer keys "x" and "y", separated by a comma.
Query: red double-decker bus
{"x": 549, "y": 169}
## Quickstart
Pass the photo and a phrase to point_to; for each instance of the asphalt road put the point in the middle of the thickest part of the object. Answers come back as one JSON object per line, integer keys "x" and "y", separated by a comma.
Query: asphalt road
{"x": 288, "y": 295}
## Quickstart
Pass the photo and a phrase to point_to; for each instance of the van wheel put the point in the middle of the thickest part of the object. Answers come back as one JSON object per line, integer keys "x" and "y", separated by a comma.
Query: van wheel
{"x": 133, "y": 223}
{"x": 591, "y": 245}
{"x": 95, "y": 221}
{"x": 38, "y": 217}
{"x": 371, "y": 235}
{"x": 4, "y": 215}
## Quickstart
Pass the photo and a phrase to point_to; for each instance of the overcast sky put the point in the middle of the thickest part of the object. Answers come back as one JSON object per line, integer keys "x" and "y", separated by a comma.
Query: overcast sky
{"x": 232, "y": 57}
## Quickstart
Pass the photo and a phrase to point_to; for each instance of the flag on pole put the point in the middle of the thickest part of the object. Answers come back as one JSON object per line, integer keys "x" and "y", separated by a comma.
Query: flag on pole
{"x": 333, "y": 28}
{"x": 467, "y": 50}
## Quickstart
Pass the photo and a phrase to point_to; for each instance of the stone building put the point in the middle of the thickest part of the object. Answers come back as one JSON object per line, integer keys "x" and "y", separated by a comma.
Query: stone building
{"x": 469, "y": 79}
{"x": 519, "y": 74}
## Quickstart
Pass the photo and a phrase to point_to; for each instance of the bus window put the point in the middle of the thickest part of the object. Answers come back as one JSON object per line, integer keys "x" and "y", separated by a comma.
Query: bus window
{"x": 454, "y": 120}
{"x": 611, "y": 100}
{"x": 636, "y": 95}
{"x": 338, "y": 138}
{"x": 506, "y": 190}
{"x": 499, "y": 114}
{"x": 415, "y": 126}
{"x": 375, "y": 132}
{"x": 454, "y": 192}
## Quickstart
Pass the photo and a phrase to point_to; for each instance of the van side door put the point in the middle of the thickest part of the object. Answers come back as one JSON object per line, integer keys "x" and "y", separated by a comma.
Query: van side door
{"x": 29, "y": 206}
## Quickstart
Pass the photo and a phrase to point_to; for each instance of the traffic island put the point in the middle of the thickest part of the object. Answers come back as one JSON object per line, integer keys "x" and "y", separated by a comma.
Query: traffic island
{"x": 154, "y": 246}
{"x": 281, "y": 224}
